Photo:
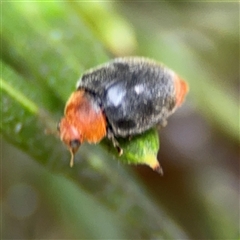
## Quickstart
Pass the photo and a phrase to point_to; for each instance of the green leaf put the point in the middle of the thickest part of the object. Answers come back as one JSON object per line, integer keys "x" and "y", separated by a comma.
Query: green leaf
{"x": 113, "y": 30}
{"x": 45, "y": 48}
{"x": 26, "y": 124}
{"x": 54, "y": 78}
{"x": 140, "y": 149}
{"x": 23, "y": 122}
{"x": 58, "y": 82}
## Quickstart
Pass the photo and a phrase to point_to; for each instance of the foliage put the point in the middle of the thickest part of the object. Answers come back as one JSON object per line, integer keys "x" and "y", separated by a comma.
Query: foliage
{"x": 45, "y": 47}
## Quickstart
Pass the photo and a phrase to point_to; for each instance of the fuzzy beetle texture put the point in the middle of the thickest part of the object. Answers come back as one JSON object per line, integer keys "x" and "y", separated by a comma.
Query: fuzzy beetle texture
{"x": 121, "y": 98}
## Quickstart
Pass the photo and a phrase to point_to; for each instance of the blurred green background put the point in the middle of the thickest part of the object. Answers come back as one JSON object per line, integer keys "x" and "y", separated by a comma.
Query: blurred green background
{"x": 45, "y": 47}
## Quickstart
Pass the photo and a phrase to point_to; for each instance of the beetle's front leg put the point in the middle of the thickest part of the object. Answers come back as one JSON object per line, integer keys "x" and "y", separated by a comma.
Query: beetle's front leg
{"x": 110, "y": 136}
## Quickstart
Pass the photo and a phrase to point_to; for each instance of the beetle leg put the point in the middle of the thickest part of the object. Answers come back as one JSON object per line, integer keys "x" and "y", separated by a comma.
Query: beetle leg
{"x": 162, "y": 124}
{"x": 110, "y": 136}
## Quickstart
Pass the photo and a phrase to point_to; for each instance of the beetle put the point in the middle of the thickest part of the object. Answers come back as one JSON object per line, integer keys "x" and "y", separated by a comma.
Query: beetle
{"x": 121, "y": 98}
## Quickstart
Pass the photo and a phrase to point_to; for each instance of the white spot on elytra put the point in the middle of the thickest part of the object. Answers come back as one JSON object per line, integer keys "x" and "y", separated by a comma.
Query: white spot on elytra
{"x": 116, "y": 95}
{"x": 139, "y": 88}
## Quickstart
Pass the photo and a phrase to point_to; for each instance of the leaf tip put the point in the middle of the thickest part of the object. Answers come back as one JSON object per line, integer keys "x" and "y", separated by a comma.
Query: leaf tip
{"x": 158, "y": 169}
{"x": 153, "y": 163}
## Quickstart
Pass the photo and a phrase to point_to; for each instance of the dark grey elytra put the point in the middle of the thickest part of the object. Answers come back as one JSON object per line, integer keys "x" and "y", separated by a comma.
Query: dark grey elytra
{"x": 134, "y": 93}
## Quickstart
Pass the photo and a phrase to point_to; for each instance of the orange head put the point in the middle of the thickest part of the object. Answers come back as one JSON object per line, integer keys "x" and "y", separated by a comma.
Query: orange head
{"x": 83, "y": 121}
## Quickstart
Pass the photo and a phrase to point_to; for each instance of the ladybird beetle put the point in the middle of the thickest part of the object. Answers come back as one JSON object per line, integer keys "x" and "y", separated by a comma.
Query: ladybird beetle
{"x": 121, "y": 98}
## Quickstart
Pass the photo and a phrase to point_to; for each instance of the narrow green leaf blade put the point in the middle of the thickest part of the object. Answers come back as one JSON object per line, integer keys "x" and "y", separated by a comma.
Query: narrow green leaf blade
{"x": 140, "y": 149}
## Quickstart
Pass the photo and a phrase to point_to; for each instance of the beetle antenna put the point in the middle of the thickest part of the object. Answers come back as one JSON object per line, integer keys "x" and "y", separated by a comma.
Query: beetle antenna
{"x": 72, "y": 158}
